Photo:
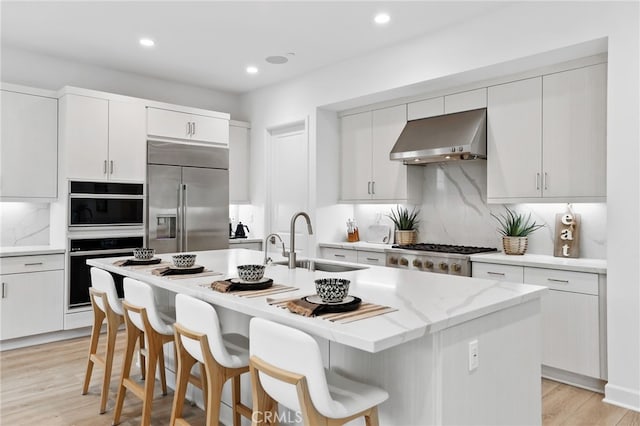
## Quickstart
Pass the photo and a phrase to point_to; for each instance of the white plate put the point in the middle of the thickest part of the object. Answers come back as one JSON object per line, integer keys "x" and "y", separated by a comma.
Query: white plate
{"x": 260, "y": 281}
{"x": 316, "y": 299}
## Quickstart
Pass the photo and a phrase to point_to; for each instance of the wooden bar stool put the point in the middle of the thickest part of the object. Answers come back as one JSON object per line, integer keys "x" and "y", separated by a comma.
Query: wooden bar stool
{"x": 106, "y": 305}
{"x": 142, "y": 318}
{"x": 198, "y": 339}
{"x": 286, "y": 368}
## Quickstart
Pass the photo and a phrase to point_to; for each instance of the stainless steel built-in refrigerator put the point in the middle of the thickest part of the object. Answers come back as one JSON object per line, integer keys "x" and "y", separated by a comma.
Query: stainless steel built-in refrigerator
{"x": 188, "y": 197}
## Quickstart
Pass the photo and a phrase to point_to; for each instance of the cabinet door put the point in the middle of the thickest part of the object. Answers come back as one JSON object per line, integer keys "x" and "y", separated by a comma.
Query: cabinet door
{"x": 356, "y": 156}
{"x": 32, "y": 303}
{"x": 465, "y": 101}
{"x": 85, "y": 130}
{"x": 127, "y": 141}
{"x": 210, "y": 129}
{"x": 238, "y": 164}
{"x": 29, "y": 146}
{"x": 575, "y": 132}
{"x": 514, "y": 139}
{"x": 371, "y": 257}
{"x": 168, "y": 124}
{"x": 427, "y": 108}
{"x": 389, "y": 177}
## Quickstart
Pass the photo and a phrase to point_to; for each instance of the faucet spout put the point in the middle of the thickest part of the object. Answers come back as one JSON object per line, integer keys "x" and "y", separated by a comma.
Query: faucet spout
{"x": 272, "y": 238}
{"x": 292, "y": 246}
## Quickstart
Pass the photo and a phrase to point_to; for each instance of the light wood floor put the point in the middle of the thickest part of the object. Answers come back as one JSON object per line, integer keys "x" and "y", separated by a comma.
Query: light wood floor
{"x": 41, "y": 385}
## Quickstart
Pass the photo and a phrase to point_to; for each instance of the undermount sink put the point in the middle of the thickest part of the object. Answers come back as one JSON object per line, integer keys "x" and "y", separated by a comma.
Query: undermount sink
{"x": 314, "y": 265}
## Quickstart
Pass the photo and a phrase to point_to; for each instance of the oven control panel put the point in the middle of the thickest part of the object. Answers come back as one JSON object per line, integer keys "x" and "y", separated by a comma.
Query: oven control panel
{"x": 439, "y": 262}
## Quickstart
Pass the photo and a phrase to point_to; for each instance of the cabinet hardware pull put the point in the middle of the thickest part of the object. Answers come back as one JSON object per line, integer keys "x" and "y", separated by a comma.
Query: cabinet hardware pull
{"x": 545, "y": 181}
{"x": 373, "y": 259}
{"x": 373, "y": 187}
{"x": 339, "y": 255}
{"x": 104, "y": 168}
{"x": 188, "y": 128}
{"x": 495, "y": 273}
{"x": 111, "y": 167}
{"x": 193, "y": 128}
{"x": 558, "y": 281}
{"x": 4, "y": 293}
{"x": 538, "y": 181}
{"x": 33, "y": 264}
{"x": 369, "y": 187}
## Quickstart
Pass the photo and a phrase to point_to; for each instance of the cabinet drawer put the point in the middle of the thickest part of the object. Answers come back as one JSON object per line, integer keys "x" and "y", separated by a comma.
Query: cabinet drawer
{"x": 342, "y": 255}
{"x": 21, "y": 264}
{"x": 494, "y": 271}
{"x": 371, "y": 257}
{"x": 576, "y": 282}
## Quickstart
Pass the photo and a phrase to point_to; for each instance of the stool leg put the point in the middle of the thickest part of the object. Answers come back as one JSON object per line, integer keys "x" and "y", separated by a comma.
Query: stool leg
{"x": 143, "y": 368}
{"x": 163, "y": 376}
{"x": 185, "y": 363}
{"x": 235, "y": 399}
{"x": 132, "y": 336}
{"x": 98, "y": 318}
{"x": 372, "y": 418}
{"x": 215, "y": 382}
{"x": 154, "y": 349}
{"x": 112, "y": 331}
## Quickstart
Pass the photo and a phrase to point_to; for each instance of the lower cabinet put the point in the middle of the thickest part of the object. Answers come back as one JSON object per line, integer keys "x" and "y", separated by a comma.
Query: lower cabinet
{"x": 366, "y": 257}
{"x": 572, "y": 315}
{"x": 246, "y": 245}
{"x": 371, "y": 257}
{"x": 32, "y": 295}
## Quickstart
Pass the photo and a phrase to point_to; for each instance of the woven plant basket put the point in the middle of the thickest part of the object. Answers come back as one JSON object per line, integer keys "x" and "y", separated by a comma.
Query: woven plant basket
{"x": 406, "y": 237}
{"x": 514, "y": 245}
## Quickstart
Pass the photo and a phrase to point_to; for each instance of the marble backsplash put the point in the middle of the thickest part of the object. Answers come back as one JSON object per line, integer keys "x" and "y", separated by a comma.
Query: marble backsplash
{"x": 454, "y": 211}
{"x": 24, "y": 224}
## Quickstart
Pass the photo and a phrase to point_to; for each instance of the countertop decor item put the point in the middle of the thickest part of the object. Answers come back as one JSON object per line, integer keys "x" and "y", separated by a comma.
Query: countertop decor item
{"x": 250, "y": 272}
{"x": 332, "y": 290}
{"x": 143, "y": 253}
{"x": 515, "y": 228}
{"x": 184, "y": 260}
{"x": 406, "y": 224}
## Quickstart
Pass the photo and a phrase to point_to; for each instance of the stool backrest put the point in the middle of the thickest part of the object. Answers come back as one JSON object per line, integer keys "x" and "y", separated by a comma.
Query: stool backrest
{"x": 294, "y": 351}
{"x": 102, "y": 281}
{"x": 140, "y": 294}
{"x": 200, "y": 317}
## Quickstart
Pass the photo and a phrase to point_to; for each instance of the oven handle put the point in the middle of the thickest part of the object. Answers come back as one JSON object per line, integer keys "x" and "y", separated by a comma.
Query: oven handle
{"x": 92, "y": 252}
{"x": 108, "y": 196}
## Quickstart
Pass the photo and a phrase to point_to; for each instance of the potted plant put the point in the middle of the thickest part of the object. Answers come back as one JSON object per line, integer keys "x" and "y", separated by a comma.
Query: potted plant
{"x": 515, "y": 228}
{"x": 406, "y": 224}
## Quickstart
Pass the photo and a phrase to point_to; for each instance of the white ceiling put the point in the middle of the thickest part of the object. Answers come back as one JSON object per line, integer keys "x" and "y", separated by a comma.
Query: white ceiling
{"x": 210, "y": 43}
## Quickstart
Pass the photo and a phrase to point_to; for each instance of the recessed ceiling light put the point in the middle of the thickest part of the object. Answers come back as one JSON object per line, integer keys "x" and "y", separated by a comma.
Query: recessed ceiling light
{"x": 147, "y": 42}
{"x": 252, "y": 70}
{"x": 277, "y": 59}
{"x": 382, "y": 18}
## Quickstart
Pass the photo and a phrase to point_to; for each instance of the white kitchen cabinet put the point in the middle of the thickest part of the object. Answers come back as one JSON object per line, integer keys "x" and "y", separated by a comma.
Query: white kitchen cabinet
{"x": 367, "y": 172}
{"x": 246, "y": 245}
{"x": 32, "y": 295}
{"x": 343, "y": 255}
{"x": 574, "y": 122}
{"x": 465, "y": 101}
{"x": 514, "y": 140}
{"x": 370, "y": 257}
{"x": 239, "y": 162}
{"x": 570, "y": 318}
{"x": 103, "y": 139}
{"x": 546, "y": 138}
{"x": 426, "y": 108}
{"x": 165, "y": 123}
{"x": 492, "y": 271}
{"x": 29, "y": 146}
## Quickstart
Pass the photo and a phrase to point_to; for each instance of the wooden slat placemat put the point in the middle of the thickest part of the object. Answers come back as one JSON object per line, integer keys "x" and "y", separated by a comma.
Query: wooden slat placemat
{"x": 274, "y": 289}
{"x": 364, "y": 311}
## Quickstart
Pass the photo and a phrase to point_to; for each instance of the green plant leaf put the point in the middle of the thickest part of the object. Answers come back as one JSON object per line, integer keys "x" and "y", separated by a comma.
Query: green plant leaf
{"x": 513, "y": 224}
{"x": 403, "y": 219}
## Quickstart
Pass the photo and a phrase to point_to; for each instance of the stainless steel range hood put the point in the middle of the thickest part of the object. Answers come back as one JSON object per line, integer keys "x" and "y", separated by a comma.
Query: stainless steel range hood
{"x": 450, "y": 137}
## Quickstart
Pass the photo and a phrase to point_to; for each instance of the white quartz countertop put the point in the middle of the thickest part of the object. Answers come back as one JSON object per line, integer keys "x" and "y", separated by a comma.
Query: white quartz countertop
{"x": 426, "y": 302}
{"x": 598, "y": 266}
{"x": 29, "y": 251}
{"x": 245, "y": 240}
{"x": 360, "y": 245}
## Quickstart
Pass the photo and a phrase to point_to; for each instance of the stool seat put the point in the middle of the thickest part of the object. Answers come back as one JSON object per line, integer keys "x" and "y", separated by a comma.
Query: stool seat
{"x": 351, "y": 397}
{"x": 237, "y": 346}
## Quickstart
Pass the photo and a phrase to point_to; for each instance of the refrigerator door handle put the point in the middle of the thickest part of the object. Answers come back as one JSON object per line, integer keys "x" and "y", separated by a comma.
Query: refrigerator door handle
{"x": 184, "y": 218}
{"x": 179, "y": 213}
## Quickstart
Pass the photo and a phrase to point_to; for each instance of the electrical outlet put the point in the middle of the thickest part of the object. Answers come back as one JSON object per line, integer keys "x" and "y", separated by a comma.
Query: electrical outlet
{"x": 474, "y": 360}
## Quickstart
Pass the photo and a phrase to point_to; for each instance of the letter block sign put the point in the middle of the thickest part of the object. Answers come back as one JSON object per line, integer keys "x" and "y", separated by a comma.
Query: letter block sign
{"x": 567, "y": 241}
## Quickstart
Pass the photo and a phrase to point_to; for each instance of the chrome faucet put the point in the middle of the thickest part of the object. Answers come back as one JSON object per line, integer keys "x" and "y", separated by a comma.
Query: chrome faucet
{"x": 292, "y": 246}
{"x": 272, "y": 237}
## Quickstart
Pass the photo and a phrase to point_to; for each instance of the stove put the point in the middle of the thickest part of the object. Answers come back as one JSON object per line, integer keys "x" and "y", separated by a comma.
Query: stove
{"x": 439, "y": 258}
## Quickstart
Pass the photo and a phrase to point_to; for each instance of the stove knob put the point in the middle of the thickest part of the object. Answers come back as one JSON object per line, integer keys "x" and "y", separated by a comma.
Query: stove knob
{"x": 455, "y": 267}
{"x": 443, "y": 266}
{"x": 393, "y": 261}
{"x": 428, "y": 264}
{"x": 404, "y": 262}
{"x": 417, "y": 263}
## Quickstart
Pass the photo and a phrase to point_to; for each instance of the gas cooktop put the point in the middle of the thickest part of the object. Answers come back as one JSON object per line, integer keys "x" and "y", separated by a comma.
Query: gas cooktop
{"x": 445, "y": 248}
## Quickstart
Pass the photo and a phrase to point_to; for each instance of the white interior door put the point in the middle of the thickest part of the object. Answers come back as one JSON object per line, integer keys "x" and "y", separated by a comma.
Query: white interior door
{"x": 289, "y": 183}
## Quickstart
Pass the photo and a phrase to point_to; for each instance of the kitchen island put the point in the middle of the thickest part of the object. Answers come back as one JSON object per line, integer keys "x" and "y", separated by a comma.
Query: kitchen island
{"x": 421, "y": 353}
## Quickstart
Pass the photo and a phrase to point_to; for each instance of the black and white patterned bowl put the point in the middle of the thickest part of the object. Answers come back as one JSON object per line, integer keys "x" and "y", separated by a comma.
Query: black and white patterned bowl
{"x": 332, "y": 290}
{"x": 250, "y": 272}
{"x": 143, "y": 253}
{"x": 184, "y": 260}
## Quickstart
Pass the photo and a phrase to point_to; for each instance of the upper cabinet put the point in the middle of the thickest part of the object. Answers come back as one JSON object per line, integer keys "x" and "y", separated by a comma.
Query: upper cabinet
{"x": 164, "y": 123}
{"x": 456, "y": 102}
{"x": 103, "y": 139}
{"x": 29, "y": 146}
{"x": 367, "y": 172}
{"x": 546, "y": 138}
{"x": 426, "y": 108}
{"x": 239, "y": 162}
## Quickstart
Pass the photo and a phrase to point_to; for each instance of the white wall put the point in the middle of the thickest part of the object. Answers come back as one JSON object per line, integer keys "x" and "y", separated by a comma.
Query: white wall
{"x": 498, "y": 39}
{"x": 47, "y": 72}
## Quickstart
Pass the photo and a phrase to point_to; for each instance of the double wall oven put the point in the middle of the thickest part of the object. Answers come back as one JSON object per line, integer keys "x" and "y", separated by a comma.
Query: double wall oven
{"x": 105, "y": 219}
